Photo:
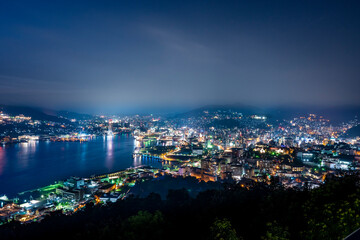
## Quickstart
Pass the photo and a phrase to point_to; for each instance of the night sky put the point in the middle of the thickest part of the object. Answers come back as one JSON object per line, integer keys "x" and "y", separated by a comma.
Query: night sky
{"x": 121, "y": 55}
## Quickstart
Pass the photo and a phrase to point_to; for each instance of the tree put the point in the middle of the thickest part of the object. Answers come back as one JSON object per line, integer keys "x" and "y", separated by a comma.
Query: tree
{"x": 178, "y": 197}
{"x": 144, "y": 225}
{"x": 276, "y": 232}
{"x": 222, "y": 230}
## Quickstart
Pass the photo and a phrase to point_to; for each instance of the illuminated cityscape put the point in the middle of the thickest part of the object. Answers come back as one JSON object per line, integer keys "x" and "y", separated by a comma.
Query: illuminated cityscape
{"x": 179, "y": 120}
{"x": 216, "y": 145}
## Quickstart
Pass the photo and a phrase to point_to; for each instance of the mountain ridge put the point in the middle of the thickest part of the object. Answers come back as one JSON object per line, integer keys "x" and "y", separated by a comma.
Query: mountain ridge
{"x": 33, "y": 112}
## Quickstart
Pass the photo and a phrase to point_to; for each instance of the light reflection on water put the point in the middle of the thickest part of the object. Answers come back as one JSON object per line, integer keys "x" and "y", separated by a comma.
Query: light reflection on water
{"x": 137, "y": 161}
{"x": 109, "y": 152}
{"x": 2, "y": 159}
{"x": 83, "y": 155}
{"x": 27, "y": 150}
{"x": 34, "y": 164}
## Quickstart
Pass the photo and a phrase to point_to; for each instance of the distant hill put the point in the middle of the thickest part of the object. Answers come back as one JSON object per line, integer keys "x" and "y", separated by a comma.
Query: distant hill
{"x": 225, "y": 123}
{"x": 335, "y": 115}
{"x": 246, "y": 110}
{"x": 353, "y": 132}
{"x": 74, "y": 115}
{"x": 34, "y": 113}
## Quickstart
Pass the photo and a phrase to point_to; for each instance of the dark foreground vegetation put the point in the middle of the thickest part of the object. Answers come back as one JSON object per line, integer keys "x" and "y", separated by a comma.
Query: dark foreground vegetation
{"x": 262, "y": 212}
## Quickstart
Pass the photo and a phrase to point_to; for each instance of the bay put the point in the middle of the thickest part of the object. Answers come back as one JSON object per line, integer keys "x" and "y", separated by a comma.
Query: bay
{"x": 34, "y": 164}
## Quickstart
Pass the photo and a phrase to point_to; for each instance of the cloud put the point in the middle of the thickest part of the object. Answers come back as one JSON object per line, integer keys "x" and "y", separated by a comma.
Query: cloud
{"x": 14, "y": 84}
{"x": 181, "y": 44}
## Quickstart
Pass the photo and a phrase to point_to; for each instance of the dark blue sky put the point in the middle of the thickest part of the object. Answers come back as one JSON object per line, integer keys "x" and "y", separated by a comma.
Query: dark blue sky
{"x": 121, "y": 55}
